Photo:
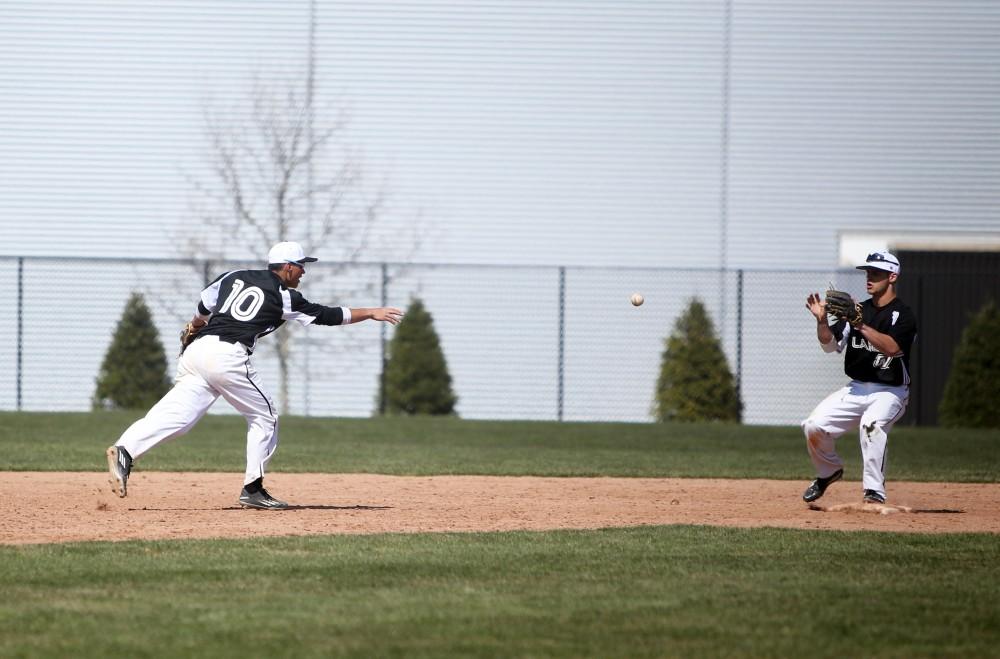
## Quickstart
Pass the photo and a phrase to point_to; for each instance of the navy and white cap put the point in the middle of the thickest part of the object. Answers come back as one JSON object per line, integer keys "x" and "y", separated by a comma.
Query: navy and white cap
{"x": 881, "y": 261}
{"x": 288, "y": 253}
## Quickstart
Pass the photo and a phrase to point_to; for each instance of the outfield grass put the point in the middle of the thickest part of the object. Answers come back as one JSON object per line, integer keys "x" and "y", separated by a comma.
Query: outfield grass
{"x": 660, "y": 591}
{"x": 425, "y": 446}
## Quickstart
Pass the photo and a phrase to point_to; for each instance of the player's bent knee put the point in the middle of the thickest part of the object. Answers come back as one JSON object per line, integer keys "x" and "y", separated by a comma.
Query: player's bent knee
{"x": 810, "y": 427}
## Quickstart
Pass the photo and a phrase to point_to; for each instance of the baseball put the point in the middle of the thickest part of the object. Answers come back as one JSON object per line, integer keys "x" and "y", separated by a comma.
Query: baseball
{"x": 636, "y": 299}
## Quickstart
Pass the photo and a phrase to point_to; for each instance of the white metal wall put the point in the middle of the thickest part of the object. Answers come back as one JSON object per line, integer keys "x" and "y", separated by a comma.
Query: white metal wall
{"x": 531, "y": 132}
{"x": 101, "y": 106}
{"x": 860, "y": 115}
{"x": 541, "y": 131}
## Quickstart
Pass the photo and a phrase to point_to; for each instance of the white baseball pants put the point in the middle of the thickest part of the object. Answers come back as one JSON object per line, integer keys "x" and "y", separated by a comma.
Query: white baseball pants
{"x": 210, "y": 368}
{"x": 873, "y": 409}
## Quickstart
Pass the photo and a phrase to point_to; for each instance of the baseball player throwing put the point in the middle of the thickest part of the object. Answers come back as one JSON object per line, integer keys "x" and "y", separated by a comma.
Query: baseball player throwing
{"x": 236, "y": 309}
{"x": 876, "y": 337}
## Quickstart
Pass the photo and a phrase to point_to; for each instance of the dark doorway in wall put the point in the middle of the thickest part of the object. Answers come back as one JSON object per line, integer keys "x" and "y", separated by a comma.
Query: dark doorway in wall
{"x": 944, "y": 289}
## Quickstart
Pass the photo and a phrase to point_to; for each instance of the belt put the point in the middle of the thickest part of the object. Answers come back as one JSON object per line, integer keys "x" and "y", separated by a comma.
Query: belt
{"x": 237, "y": 343}
{"x": 232, "y": 341}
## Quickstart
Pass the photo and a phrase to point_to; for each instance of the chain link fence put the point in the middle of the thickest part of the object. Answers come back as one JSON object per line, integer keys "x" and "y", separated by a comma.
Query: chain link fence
{"x": 536, "y": 343}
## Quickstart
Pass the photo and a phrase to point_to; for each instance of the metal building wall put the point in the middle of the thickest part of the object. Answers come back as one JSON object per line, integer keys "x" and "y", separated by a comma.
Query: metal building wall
{"x": 860, "y": 115}
{"x": 545, "y": 133}
{"x": 102, "y": 106}
{"x": 677, "y": 133}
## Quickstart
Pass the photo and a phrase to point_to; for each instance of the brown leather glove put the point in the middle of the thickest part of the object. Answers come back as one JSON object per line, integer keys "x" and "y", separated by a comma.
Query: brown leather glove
{"x": 842, "y": 305}
{"x": 188, "y": 334}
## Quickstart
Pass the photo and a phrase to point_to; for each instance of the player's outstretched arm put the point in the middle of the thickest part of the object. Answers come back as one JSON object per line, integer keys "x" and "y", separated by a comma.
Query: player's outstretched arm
{"x": 390, "y": 315}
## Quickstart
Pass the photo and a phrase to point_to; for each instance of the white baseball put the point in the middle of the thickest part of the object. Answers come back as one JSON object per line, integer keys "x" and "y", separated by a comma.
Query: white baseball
{"x": 636, "y": 299}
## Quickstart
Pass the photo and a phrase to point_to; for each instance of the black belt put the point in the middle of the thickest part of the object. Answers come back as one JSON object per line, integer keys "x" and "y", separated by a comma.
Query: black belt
{"x": 232, "y": 341}
{"x": 237, "y": 343}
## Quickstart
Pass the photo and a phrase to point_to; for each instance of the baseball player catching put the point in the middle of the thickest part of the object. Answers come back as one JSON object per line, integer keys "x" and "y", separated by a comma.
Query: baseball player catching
{"x": 876, "y": 337}
{"x": 234, "y": 311}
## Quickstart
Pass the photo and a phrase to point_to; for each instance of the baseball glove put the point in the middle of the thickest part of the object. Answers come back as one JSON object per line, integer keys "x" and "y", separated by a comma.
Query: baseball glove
{"x": 188, "y": 335}
{"x": 842, "y": 305}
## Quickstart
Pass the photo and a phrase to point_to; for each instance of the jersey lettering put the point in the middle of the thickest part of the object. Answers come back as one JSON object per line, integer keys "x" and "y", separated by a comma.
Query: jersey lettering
{"x": 881, "y": 361}
{"x": 246, "y": 306}
{"x": 866, "y": 363}
{"x": 237, "y": 287}
{"x": 249, "y": 304}
{"x": 243, "y": 304}
{"x": 859, "y": 342}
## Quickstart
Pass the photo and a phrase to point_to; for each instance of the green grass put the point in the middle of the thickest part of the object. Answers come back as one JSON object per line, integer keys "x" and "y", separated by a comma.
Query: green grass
{"x": 423, "y": 446}
{"x": 656, "y": 591}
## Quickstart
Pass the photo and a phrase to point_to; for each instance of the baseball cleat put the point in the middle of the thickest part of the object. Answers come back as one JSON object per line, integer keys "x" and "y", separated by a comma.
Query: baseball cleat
{"x": 818, "y": 486}
{"x": 119, "y": 467}
{"x": 872, "y": 496}
{"x": 261, "y": 500}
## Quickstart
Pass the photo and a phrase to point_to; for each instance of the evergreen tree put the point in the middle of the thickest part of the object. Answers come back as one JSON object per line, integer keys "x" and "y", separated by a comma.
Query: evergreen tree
{"x": 695, "y": 382}
{"x": 973, "y": 386}
{"x": 416, "y": 375}
{"x": 134, "y": 372}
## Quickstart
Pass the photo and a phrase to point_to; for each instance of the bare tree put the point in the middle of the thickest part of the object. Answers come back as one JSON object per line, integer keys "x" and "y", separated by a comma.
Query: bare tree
{"x": 280, "y": 170}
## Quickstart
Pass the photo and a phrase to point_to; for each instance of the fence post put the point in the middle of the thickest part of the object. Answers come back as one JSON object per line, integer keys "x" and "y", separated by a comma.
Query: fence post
{"x": 20, "y": 328}
{"x": 381, "y": 377}
{"x": 739, "y": 335}
{"x": 562, "y": 341}
{"x": 307, "y": 377}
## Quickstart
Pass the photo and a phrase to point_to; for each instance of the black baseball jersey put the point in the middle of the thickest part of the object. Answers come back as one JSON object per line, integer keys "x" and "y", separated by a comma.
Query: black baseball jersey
{"x": 862, "y": 361}
{"x": 248, "y": 304}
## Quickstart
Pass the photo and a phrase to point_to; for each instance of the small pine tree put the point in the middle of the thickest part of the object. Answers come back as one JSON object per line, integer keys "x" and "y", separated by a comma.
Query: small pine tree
{"x": 695, "y": 382}
{"x": 416, "y": 375}
{"x": 134, "y": 371}
{"x": 973, "y": 386}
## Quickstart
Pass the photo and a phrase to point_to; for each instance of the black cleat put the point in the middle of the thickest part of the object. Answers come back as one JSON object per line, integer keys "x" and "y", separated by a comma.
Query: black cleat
{"x": 871, "y": 496}
{"x": 261, "y": 500}
{"x": 818, "y": 486}
{"x": 119, "y": 467}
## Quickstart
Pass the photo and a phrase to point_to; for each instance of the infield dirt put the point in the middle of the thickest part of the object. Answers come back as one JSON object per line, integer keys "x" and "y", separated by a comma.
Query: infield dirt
{"x": 47, "y": 507}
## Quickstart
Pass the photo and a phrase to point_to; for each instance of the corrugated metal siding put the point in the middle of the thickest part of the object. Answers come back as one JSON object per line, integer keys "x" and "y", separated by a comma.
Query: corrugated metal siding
{"x": 530, "y": 132}
{"x": 101, "y": 107}
{"x": 522, "y": 132}
{"x": 541, "y": 132}
{"x": 860, "y": 115}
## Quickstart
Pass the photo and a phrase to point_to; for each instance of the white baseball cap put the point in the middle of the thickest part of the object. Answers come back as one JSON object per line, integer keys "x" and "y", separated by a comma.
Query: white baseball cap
{"x": 288, "y": 253}
{"x": 881, "y": 261}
